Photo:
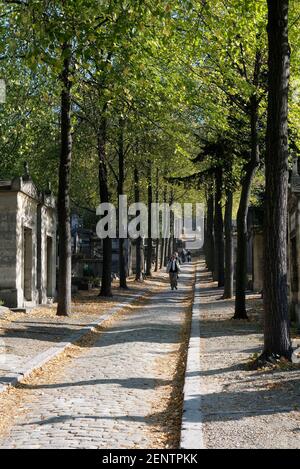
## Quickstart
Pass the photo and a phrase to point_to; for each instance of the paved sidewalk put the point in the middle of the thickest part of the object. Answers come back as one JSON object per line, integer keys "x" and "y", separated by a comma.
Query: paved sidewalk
{"x": 242, "y": 408}
{"x": 104, "y": 395}
{"x": 26, "y": 337}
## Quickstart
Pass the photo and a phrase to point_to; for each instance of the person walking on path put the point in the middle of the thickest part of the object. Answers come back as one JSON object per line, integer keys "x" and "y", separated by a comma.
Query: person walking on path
{"x": 177, "y": 257}
{"x": 183, "y": 255}
{"x": 189, "y": 256}
{"x": 173, "y": 269}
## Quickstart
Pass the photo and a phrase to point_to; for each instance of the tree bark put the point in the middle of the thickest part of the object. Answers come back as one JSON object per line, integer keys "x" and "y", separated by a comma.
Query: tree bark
{"x": 241, "y": 254}
{"x": 276, "y": 318}
{"x": 209, "y": 243}
{"x": 157, "y": 254}
{"x": 167, "y": 251}
{"x": 63, "y": 209}
{"x": 162, "y": 253}
{"x": 122, "y": 260}
{"x": 163, "y": 241}
{"x": 159, "y": 236}
{"x": 171, "y": 238}
{"x": 228, "y": 287}
{"x": 218, "y": 230}
{"x": 138, "y": 257}
{"x": 149, "y": 239}
{"x": 104, "y": 198}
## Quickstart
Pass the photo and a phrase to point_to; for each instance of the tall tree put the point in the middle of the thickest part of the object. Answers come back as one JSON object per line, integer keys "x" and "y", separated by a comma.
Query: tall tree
{"x": 104, "y": 198}
{"x": 121, "y": 180}
{"x": 230, "y": 60}
{"x": 158, "y": 241}
{"x": 149, "y": 237}
{"x": 63, "y": 209}
{"x": 209, "y": 241}
{"x": 228, "y": 282}
{"x": 249, "y": 170}
{"x": 276, "y": 318}
{"x": 53, "y": 37}
{"x": 138, "y": 257}
{"x": 219, "y": 228}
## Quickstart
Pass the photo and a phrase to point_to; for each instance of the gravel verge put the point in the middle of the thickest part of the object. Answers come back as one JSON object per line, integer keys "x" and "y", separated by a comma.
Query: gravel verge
{"x": 243, "y": 408}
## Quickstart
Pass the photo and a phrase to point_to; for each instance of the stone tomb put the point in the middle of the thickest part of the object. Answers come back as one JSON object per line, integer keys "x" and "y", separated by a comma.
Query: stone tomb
{"x": 294, "y": 243}
{"x": 258, "y": 259}
{"x": 27, "y": 244}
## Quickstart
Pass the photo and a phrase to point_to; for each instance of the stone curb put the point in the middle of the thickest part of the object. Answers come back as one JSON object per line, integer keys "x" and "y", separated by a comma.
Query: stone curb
{"x": 42, "y": 358}
{"x": 191, "y": 425}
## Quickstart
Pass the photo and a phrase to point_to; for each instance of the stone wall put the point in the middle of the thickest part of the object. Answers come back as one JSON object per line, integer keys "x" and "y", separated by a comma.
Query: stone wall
{"x": 8, "y": 247}
{"x": 258, "y": 256}
{"x": 27, "y": 244}
{"x": 26, "y": 239}
{"x": 46, "y": 267}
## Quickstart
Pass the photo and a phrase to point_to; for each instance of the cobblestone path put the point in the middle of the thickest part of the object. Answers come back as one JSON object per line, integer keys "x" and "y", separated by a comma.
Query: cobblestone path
{"x": 103, "y": 396}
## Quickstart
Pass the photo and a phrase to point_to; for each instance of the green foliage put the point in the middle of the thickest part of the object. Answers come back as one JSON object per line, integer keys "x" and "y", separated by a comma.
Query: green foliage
{"x": 178, "y": 73}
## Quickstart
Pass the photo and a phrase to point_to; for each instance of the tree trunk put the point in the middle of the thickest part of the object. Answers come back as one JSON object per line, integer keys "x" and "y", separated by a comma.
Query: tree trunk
{"x": 209, "y": 243}
{"x": 276, "y": 328}
{"x": 122, "y": 259}
{"x": 104, "y": 198}
{"x": 167, "y": 251}
{"x": 159, "y": 237}
{"x": 138, "y": 270}
{"x": 63, "y": 209}
{"x": 218, "y": 230}
{"x": 162, "y": 253}
{"x": 170, "y": 247}
{"x": 157, "y": 254}
{"x": 228, "y": 287}
{"x": 149, "y": 240}
{"x": 171, "y": 238}
{"x": 122, "y": 264}
{"x": 242, "y": 245}
{"x": 164, "y": 240}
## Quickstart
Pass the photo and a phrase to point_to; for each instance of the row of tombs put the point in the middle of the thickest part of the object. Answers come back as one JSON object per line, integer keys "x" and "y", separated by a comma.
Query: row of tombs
{"x": 29, "y": 248}
{"x": 28, "y": 225}
{"x": 28, "y": 245}
{"x": 255, "y": 245}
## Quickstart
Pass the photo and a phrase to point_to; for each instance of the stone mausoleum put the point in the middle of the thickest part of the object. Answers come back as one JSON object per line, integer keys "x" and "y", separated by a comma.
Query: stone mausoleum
{"x": 294, "y": 242}
{"x": 28, "y": 225}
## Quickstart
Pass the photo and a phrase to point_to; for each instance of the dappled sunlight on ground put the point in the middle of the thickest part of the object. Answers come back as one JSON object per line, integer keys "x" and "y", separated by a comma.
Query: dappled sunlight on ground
{"x": 243, "y": 408}
{"x": 120, "y": 386}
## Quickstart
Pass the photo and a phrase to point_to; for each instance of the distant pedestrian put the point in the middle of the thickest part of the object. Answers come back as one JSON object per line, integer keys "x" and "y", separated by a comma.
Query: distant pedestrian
{"x": 177, "y": 257}
{"x": 173, "y": 269}
{"x": 189, "y": 257}
{"x": 183, "y": 256}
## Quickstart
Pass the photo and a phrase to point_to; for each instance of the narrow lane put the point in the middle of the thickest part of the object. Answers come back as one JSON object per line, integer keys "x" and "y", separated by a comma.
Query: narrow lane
{"x": 102, "y": 397}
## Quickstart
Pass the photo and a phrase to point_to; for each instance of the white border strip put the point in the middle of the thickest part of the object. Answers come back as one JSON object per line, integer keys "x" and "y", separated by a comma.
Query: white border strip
{"x": 191, "y": 425}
